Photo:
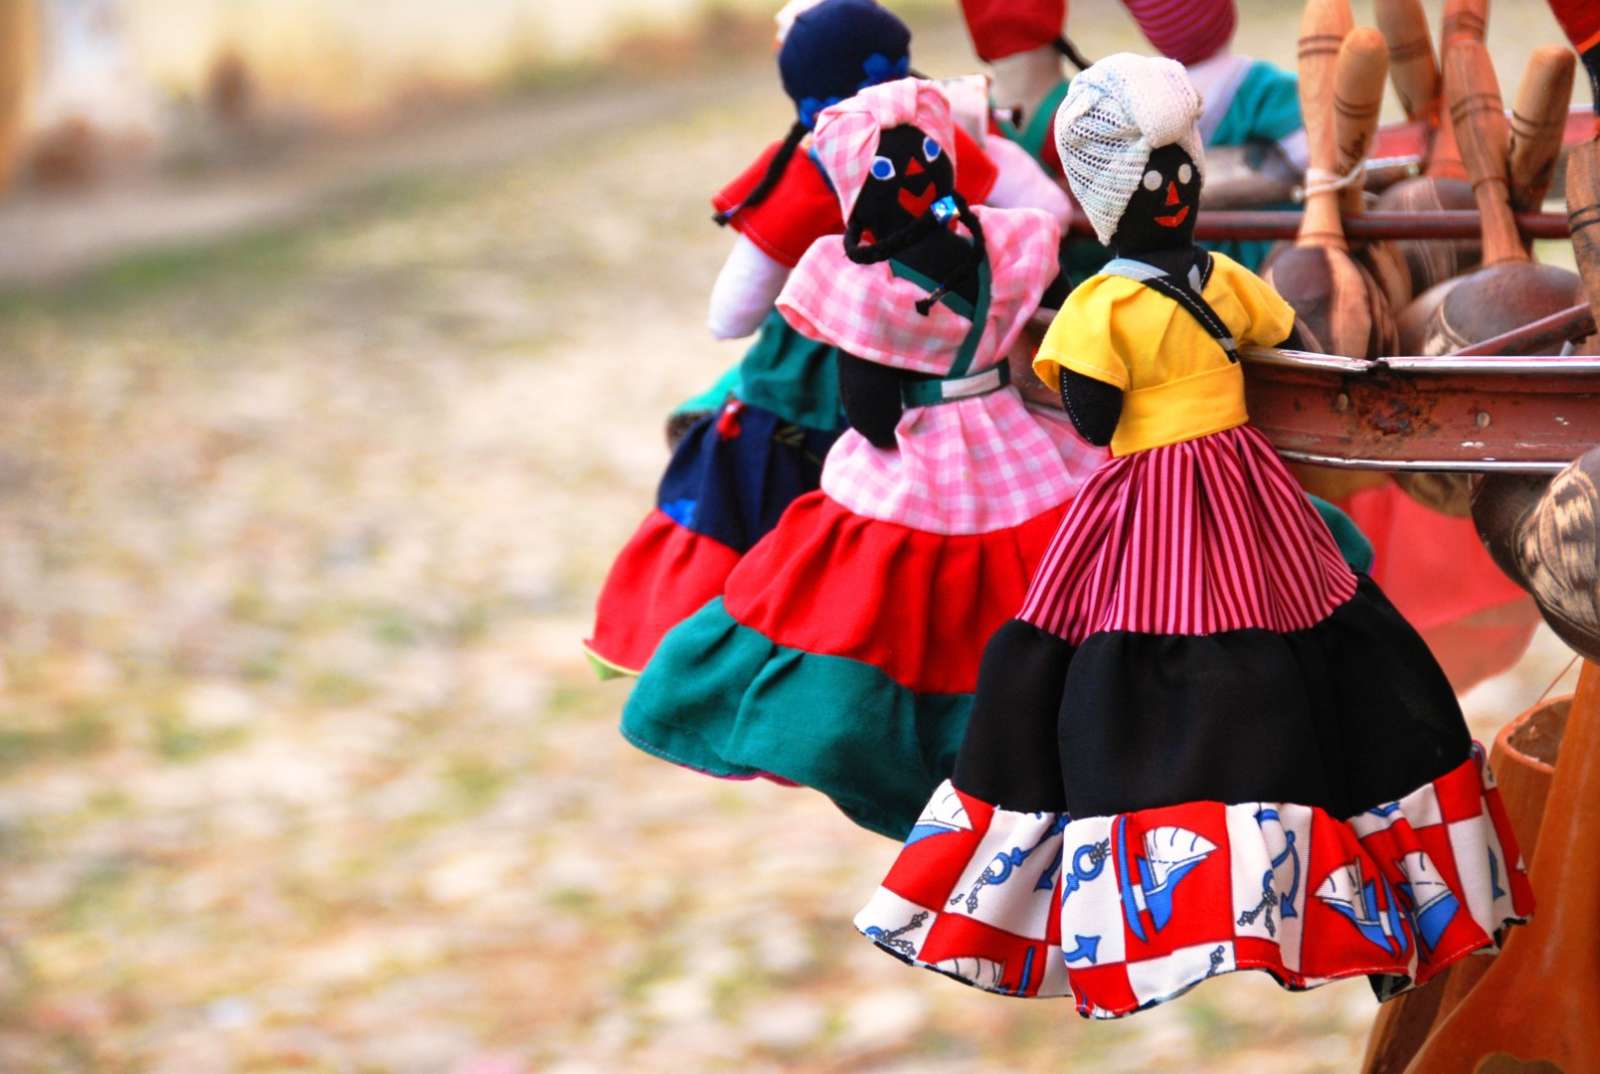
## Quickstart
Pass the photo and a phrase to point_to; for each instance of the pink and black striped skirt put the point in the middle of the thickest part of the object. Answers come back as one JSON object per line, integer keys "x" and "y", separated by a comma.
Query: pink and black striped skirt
{"x": 1200, "y": 537}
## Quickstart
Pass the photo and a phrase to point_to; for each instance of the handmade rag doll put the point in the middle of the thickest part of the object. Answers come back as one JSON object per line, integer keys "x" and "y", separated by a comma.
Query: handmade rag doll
{"x": 1204, "y": 744}
{"x": 843, "y": 652}
{"x": 1247, "y": 102}
{"x": 761, "y": 436}
{"x": 827, "y": 51}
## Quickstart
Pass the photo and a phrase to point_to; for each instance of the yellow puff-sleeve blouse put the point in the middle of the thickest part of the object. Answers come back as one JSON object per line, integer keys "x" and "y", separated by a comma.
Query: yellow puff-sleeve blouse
{"x": 1177, "y": 381}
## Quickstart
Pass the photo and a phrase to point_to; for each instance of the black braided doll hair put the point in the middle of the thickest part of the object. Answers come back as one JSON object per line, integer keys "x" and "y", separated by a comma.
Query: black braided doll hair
{"x": 780, "y": 161}
{"x": 1070, "y": 51}
{"x": 919, "y": 229}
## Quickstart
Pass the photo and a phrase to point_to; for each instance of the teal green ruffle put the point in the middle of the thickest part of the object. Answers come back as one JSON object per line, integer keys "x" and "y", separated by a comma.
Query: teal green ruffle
{"x": 713, "y": 397}
{"x": 724, "y": 699}
{"x": 1353, "y": 544}
{"x": 793, "y": 377}
{"x": 785, "y": 373}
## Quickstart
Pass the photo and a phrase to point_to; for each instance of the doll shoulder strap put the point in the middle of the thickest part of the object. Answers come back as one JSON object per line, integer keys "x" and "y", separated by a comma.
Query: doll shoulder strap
{"x": 1185, "y": 292}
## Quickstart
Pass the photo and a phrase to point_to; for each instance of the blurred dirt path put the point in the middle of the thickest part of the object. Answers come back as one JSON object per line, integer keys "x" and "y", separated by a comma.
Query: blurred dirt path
{"x": 48, "y": 236}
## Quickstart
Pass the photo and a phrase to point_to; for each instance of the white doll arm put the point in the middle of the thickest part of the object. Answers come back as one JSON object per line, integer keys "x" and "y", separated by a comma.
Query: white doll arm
{"x": 1020, "y": 183}
{"x": 745, "y": 290}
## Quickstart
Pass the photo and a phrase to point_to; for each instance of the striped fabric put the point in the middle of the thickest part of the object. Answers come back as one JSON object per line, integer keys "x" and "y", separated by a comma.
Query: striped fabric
{"x": 1199, "y": 537}
{"x": 1186, "y": 30}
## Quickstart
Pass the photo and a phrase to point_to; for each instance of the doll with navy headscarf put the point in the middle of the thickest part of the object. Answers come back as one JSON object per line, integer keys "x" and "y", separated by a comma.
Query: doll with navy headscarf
{"x": 758, "y": 439}
{"x": 842, "y": 652}
{"x": 1203, "y": 743}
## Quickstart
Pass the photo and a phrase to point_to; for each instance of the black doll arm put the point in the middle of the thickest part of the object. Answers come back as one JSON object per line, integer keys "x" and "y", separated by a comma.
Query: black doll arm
{"x": 1061, "y": 286}
{"x": 1301, "y": 338}
{"x": 1093, "y": 405}
{"x": 871, "y": 396}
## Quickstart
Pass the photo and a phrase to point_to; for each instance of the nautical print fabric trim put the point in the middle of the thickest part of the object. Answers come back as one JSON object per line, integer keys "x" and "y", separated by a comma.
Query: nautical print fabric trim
{"x": 1193, "y": 538}
{"x": 1127, "y": 911}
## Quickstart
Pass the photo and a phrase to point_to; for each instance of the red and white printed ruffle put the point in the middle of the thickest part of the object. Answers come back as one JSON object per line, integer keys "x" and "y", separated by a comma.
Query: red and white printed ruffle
{"x": 1126, "y": 911}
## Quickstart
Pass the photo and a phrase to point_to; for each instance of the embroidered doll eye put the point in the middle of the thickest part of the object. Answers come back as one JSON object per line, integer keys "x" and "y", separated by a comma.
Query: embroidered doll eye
{"x": 1152, "y": 180}
{"x": 930, "y": 150}
{"x": 882, "y": 168}
{"x": 1185, "y": 173}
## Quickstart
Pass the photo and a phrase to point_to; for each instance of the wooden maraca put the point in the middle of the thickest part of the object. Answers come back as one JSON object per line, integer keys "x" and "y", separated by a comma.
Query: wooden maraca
{"x": 1510, "y": 289}
{"x": 1583, "y": 213}
{"x": 1535, "y": 529}
{"x": 1442, "y": 185}
{"x": 1333, "y": 295}
{"x": 1538, "y": 121}
{"x": 1359, "y": 76}
{"x": 1359, "y": 73}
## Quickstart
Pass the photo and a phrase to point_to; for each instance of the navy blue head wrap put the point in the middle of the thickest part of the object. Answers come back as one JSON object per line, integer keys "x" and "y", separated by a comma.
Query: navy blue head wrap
{"x": 838, "y": 48}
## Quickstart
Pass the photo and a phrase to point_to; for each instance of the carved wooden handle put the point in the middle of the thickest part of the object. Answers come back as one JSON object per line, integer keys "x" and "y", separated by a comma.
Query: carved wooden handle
{"x": 1323, "y": 26}
{"x": 1412, "y": 67}
{"x": 1583, "y": 208}
{"x": 1537, "y": 123}
{"x": 1464, "y": 20}
{"x": 1358, "y": 75}
{"x": 1480, "y": 124}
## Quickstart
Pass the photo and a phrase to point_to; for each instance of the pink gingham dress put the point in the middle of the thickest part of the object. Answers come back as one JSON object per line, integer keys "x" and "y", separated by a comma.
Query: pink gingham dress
{"x": 971, "y": 465}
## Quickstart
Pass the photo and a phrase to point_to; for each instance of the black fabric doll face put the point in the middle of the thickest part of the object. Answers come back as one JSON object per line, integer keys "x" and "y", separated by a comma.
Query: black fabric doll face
{"x": 1161, "y": 212}
{"x": 909, "y": 172}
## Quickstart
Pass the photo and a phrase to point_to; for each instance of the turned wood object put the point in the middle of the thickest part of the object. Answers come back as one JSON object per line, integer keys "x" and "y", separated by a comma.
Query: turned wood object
{"x": 1330, "y": 293}
{"x": 1547, "y": 539}
{"x": 1538, "y": 120}
{"x": 1583, "y": 214}
{"x": 1509, "y": 289}
{"x": 1359, "y": 76}
{"x": 1417, "y": 79}
{"x": 1537, "y": 1001}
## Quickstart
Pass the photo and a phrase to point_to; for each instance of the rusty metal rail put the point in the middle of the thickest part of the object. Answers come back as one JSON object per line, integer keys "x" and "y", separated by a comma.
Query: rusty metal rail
{"x": 1453, "y": 413}
{"x": 1360, "y": 227}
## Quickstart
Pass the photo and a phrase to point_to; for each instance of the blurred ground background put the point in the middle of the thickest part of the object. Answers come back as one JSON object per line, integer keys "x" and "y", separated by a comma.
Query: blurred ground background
{"x": 315, "y": 442}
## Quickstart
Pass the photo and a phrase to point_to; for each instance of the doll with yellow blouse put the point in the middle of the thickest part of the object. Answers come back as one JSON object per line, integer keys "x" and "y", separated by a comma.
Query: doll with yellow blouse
{"x": 1204, "y": 744}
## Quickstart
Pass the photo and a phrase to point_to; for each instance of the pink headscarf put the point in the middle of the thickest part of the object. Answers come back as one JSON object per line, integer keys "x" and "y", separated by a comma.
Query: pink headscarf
{"x": 1186, "y": 30}
{"x": 846, "y": 136}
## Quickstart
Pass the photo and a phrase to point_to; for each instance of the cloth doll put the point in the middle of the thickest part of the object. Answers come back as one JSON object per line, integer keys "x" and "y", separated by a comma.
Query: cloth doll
{"x": 1204, "y": 744}
{"x": 1246, "y": 101}
{"x": 843, "y": 651}
{"x": 782, "y": 202}
{"x": 766, "y": 428}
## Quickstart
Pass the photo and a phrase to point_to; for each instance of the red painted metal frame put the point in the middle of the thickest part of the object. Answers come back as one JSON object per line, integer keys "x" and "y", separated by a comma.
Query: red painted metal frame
{"x": 1285, "y": 224}
{"x": 1490, "y": 407}
{"x": 1465, "y": 413}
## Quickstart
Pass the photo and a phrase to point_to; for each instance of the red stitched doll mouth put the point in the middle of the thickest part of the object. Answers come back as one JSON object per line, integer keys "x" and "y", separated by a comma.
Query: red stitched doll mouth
{"x": 1171, "y": 219}
{"x": 917, "y": 204}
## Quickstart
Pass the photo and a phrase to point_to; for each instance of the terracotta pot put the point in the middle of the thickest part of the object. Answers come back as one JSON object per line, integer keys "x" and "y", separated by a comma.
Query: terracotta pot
{"x": 1524, "y": 763}
{"x": 1523, "y": 760}
{"x": 1539, "y": 1000}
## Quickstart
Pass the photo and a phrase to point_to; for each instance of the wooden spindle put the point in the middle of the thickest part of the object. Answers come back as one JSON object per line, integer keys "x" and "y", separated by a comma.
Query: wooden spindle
{"x": 1538, "y": 121}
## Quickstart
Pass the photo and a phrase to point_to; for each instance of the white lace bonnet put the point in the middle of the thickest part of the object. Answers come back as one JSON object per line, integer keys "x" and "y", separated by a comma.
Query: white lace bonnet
{"x": 1114, "y": 114}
